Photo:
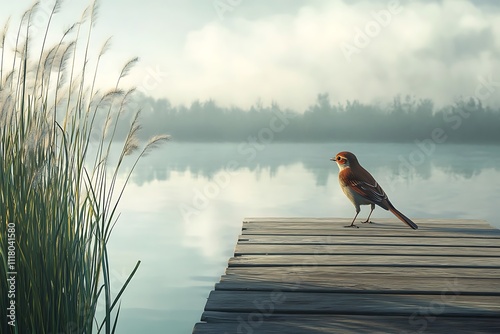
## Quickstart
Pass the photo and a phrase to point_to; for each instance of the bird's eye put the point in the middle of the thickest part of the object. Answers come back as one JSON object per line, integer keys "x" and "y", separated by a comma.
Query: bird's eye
{"x": 338, "y": 158}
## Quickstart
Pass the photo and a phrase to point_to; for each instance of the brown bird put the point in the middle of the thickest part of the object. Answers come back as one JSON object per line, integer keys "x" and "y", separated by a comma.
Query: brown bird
{"x": 362, "y": 189}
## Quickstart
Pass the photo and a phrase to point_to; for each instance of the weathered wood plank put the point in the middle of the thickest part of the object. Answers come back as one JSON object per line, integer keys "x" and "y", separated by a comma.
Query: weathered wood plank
{"x": 352, "y": 303}
{"x": 470, "y": 223}
{"x": 374, "y": 225}
{"x": 277, "y": 249}
{"x": 375, "y": 240}
{"x": 312, "y": 282}
{"x": 376, "y": 233}
{"x": 384, "y": 224}
{"x": 294, "y": 273}
{"x": 373, "y": 231}
{"x": 362, "y": 279}
{"x": 395, "y": 229}
{"x": 312, "y": 275}
{"x": 355, "y": 260}
{"x": 327, "y": 220}
{"x": 233, "y": 322}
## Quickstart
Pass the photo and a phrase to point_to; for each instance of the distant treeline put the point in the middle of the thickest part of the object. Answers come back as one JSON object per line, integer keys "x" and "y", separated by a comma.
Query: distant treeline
{"x": 403, "y": 120}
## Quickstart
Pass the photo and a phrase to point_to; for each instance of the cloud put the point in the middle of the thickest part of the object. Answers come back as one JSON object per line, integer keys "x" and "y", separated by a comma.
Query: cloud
{"x": 289, "y": 51}
{"x": 432, "y": 50}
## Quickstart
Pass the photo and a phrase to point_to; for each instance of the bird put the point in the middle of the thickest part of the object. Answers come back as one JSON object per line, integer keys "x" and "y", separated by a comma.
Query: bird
{"x": 362, "y": 189}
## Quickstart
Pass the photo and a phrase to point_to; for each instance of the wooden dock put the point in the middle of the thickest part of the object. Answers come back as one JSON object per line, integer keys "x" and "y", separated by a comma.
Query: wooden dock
{"x": 311, "y": 276}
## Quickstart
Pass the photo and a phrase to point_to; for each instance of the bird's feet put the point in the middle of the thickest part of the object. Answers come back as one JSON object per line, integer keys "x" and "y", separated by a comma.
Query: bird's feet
{"x": 352, "y": 225}
{"x": 367, "y": 222}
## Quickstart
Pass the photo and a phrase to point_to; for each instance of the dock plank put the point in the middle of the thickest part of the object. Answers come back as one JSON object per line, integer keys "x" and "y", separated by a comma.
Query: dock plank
{"x": 376, "y": 279}
{"x": 333, "y": 271}
{"x": 367, "y": 260}
{"x": 279, "y": 249}
{"x": 234, "y": 322}
{"x": 374, "y": 240}
{"x": 351, "y": 303}
{"x": 371, "y": 231}
{"x": 383, "y": 224}
{"x": 386, "y": 227}
{"x": 328, "y": 220}
{"x": 312, "y": 275}
{"x": 368, "y": 284}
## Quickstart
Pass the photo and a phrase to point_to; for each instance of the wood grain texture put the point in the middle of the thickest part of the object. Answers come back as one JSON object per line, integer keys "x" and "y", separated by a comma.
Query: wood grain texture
{"x": 278, "y": 249}
{"x": 396, "y": 261}
{"x": 235, "y": 322}
{"x": 374, "y": 240}
{"x": 277, "y": 301}
{"x": 323, "y": 281}
{"x": 312, "y": 275}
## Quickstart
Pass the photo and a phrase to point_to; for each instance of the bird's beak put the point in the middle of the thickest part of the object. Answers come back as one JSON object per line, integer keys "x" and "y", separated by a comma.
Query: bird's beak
{"x": 332, "y": 159}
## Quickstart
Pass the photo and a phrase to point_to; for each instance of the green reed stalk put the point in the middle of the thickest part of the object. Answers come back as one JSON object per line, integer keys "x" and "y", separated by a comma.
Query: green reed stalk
{"x": 58, "y": 202}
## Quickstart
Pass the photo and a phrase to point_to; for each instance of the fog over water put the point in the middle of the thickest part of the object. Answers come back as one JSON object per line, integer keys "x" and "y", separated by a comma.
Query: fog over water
{"x": 258, "y": 96}
{"x": 405, "y": 119}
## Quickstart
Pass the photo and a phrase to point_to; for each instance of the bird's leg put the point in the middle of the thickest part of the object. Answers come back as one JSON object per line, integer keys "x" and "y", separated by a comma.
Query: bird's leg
{"x": 368, "y": 219}
{"x": 354, "y": 219}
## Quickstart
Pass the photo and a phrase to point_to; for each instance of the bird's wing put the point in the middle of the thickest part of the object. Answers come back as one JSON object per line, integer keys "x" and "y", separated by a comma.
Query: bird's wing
{"x": 368, "y": 189}
{"x": 372, "y": 192}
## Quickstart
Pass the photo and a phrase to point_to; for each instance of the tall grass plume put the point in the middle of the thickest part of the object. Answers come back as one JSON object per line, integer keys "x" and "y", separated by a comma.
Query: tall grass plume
{"x": 58, "y": 200}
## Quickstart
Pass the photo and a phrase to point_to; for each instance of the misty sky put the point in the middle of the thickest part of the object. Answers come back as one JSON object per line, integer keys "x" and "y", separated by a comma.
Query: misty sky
{"x": 240, "y": 51}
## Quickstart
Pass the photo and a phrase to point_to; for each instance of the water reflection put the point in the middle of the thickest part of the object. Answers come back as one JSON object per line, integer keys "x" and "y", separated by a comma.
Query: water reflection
{"x": 403, "y": 160}
{"x": 207, "y": 188}
{"x": 182, "y": 212}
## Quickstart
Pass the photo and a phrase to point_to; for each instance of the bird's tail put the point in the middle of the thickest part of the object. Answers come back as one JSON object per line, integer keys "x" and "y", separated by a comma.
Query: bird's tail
{"x": 402, "y": 217}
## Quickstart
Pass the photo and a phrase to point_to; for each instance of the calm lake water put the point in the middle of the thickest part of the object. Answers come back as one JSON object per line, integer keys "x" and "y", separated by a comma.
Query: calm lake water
{"x": 182, "y": 211}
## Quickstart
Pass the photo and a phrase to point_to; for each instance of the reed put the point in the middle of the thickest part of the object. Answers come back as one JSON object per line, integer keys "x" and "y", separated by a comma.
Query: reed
{"x": 58, "y": 201}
